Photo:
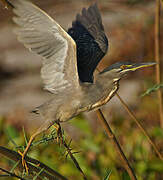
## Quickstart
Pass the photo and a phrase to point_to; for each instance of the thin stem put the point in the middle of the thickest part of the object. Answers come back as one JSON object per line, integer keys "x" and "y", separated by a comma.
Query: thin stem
{"x": 74, "y": 160}
{"x": 140, "y": 126}
{"x": 116, "y": 143}
{"x": 157, "y": 57}
{"x": 60, "y": 136}
{"x": 10, "y": 174}
{"x": 16, "y": 157}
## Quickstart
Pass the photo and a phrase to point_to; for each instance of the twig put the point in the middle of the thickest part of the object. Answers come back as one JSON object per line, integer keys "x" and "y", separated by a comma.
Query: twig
{"x": 152, "y": 89}
{"x": 74, "y": 159}
{"x": 11, "y": 174}
{"x": 116, "y": 143}
{"x": 16, "y": 157}
{"x": 41, "y": 141}
{"x": 60, "y": 135}
{"x": 140, "y": 126}
{"x": 157, "y": 57}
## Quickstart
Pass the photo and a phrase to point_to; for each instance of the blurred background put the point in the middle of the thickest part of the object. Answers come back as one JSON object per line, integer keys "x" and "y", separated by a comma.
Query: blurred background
{"x": 129, "y": 25}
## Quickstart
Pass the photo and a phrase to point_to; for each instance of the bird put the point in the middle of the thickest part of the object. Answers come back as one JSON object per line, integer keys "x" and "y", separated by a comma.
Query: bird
{"x": 69, "y": 59}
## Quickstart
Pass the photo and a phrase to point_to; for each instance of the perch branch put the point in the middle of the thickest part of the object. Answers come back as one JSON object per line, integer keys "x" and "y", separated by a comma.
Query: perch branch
{"x": 10, "y": 174}
{"x": 60, "y": 136}
{"x": 140, "y": 126}
{"x": 74, "y": 160}
{"x": 16, "y": 157}
{"x": 157, "y": 57}
{"x": 116, "y": 143}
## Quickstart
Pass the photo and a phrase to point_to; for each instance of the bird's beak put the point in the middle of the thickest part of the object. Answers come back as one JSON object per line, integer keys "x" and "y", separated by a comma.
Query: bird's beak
{"x": 135, "y": 66}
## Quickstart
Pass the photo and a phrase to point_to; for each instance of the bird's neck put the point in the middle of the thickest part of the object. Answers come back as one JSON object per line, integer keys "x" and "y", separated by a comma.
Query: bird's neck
{"x": 108, "y": 86}
{"x": 101, "y": 91}
{"x": 106, "y": 82}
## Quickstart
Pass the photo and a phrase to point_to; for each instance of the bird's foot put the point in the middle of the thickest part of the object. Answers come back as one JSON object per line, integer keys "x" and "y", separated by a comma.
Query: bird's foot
{"x": 58, "y": 128}
{"x": 5, "y": 4}
{"x": 24, "y": 164}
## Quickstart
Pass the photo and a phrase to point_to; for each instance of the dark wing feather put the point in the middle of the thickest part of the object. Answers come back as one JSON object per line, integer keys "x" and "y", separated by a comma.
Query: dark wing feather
{"x": 92, "y": 44}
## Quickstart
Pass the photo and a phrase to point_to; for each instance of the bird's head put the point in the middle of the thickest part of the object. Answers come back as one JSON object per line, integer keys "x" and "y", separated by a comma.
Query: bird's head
{"x": 119, "y": 69}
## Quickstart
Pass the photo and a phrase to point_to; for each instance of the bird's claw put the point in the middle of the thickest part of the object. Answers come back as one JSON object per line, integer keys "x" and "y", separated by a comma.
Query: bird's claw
{"x": 59, "y": 132}
{"x": 24, "y": 164}
{"x": 5, "y": 4}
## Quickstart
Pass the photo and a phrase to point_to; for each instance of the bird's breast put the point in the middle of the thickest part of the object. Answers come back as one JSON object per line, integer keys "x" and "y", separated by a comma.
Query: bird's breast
{"x": 69, "y": 109}
{"x": 105, "y": 99}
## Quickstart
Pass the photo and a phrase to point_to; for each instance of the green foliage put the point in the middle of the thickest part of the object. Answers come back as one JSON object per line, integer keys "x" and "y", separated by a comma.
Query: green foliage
{"x": 11, "y": 132}
{"x": 108, "y": 175}
{"x": 157, "y": 132}
{"x": 37, "y": 175}
{"x": 125, "y": 176}
{"x": 155, "y": 165}
{"x": 97, "y": 156}
{"x": 81, "y": 124}
{"x": 152, "y": 89}
{"x": 14, "y": 166}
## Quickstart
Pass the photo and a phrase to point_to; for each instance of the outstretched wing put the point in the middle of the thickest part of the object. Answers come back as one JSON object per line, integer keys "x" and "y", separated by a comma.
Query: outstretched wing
{"x": 42, "y": 35}
{"x": 92, "y": 44}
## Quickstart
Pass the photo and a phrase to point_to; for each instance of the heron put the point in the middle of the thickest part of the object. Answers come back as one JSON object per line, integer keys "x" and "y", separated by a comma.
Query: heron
{"x": 69, "y": 60}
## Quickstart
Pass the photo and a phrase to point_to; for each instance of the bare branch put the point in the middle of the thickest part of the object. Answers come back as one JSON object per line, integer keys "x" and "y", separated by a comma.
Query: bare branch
{"x": 10, "y": 174}
{"x": 157, "y": 57}
{"x": 116, "y": 143}
{"x": 16, "y": 157}
{"x": 140, "y": 126}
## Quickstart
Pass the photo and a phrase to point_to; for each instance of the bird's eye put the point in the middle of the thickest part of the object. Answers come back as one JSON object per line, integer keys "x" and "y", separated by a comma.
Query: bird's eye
{"x": 123, "y": 67}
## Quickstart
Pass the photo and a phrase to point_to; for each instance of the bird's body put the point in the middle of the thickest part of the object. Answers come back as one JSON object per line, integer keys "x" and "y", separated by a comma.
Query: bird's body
{"x": 78, "y": 101}
{"x": 69, "y": 61}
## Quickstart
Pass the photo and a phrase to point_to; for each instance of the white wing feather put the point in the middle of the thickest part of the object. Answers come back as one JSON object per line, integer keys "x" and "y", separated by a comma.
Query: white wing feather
{"x": 42, "y": 35}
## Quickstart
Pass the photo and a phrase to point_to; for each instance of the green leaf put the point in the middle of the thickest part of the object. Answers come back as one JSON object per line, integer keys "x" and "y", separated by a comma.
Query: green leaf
{"x": 141, "y": 167}
{"x": 37, "y": 175}
{"x": 108, "y": 175}
{"x": 90, "y": 145}
{"x": 1, "y": 123}
{"x": 156, "y": 165}
{"x": 157, "y": 132}
{"x": 152, "y": 89}
{"x": 15, "y": 165}
{"x": 82, "y": 124}
{"x": 25, "y": 138}
{"x": 125, "y": 176}
{"x": 11, "y": 132}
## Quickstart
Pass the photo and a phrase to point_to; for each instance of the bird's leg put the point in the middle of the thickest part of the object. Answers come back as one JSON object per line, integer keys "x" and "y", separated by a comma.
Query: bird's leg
{"x": 27, "y": 149}
{"x": 59, "y": 133}
{"x": 42, "y": 128}
{"x": 58, "y": 128}
{"x": 6, "y": 4}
